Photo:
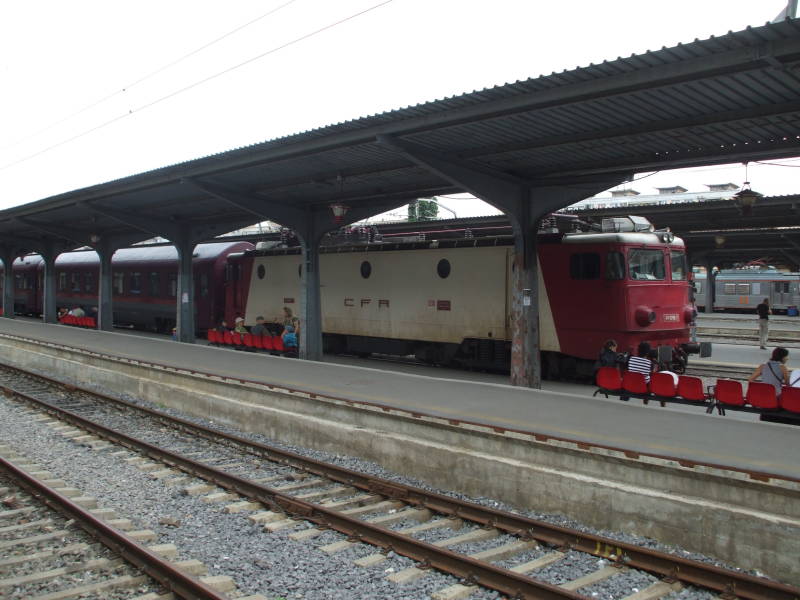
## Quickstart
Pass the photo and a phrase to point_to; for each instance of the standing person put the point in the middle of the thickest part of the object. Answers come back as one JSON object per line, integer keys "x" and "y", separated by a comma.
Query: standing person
{"x": 763, "y": 311}
{"x": 774, "y": 371}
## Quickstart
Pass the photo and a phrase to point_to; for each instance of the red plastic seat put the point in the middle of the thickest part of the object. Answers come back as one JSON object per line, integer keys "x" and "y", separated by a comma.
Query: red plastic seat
{"x": 277, "y": 344}
{"x": 790, "y": 399}
{"x": 691, "y": 388}
{"x": 762, "y": 395}
{"x": 266, "y": 342}
{"x": 84, "y": 321}
{"x": 256, "y": 340}
{"x": 236, "y": 338}
{"x": 729, "y": 392}
{"x": 228, "y": 338}
{"x": 663, "y": 385}
{"x": 212, "y": 336}
{"x": 247, "y": 340}
{"x": 608, "y": 379}
{"x": 635, "y": 383}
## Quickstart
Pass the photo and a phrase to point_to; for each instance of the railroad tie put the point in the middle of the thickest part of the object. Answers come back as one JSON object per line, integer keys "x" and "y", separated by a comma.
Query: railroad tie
{"x": 657, "y": 590}
{"x": 601, "y": 574}
{"x": 538, "y": 563}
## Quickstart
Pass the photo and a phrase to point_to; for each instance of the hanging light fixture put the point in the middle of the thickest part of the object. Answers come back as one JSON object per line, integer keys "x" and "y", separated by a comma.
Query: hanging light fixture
{"x": 746, "y": 197}
{"x": 339, "y": 211}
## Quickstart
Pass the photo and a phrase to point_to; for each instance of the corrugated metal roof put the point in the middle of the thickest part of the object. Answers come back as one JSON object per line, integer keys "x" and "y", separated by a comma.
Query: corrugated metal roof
{"x": 721, "y": 99}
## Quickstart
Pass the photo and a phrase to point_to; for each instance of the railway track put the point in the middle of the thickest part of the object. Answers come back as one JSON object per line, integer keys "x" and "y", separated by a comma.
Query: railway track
{"x": 280, "y": 490}
{"x": 49, "y": 546}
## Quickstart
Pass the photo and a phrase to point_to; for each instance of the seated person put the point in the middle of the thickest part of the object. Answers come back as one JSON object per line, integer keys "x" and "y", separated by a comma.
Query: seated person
{"x": 794, "y": 378}
{"x": 259, "y": 328}
{"x": 239, "y": 325}
{"x": 774, "y": 371}
{"x": 223, "y": 326}
{"x": 77, "y": 312}
{"x": 609, "y": 357}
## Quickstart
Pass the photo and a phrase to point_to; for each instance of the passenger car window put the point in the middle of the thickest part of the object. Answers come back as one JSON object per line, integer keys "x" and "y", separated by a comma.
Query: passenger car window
{"x": 646, "y": 264}
{"x": 585, "y": 265}
{"x": 678, "y": 262}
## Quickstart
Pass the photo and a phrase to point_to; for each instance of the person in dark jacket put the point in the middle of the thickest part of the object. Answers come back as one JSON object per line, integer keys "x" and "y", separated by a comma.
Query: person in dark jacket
{"x": 609, "y": 357}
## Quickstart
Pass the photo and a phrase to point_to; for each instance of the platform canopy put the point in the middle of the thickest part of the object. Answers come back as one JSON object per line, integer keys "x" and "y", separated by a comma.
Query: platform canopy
{"x": 730, "y": 98}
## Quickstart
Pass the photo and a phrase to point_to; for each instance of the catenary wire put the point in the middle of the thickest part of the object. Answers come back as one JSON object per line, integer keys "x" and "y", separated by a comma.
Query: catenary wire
{"x": 161, "y": 69}
{"x": 194, "y": 85}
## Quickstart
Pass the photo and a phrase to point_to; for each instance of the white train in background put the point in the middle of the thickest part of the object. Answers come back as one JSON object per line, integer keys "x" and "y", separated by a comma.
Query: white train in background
{"x": 743, "y": 289}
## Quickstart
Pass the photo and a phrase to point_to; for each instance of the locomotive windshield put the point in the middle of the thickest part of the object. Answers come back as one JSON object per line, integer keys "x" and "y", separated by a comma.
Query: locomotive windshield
{"x": 678, "y": 261}
{"x": 646, "y": 264}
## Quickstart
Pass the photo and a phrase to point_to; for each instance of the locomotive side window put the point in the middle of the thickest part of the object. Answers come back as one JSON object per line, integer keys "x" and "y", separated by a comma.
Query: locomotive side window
{"x": 443, "y": 268}
{"x": 76, "y": 282}
{"x": 585, "y": 265}
{"x": 203, "y": 285}
{"x": 88, "y": 282}
{"x": 155, "y": 284}
{"x": 678, "y": 262}
{"x": 366, "y": 269}
{"x": 62, "y": 281}
{"x": 262, "y": 271}
{"x": 615, "y": 265}
{"x": 646, "y": 264}
{"x": 173, "y": 284}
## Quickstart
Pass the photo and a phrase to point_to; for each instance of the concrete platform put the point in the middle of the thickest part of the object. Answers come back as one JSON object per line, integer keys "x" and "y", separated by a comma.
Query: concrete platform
{"x": 762, "y": 447}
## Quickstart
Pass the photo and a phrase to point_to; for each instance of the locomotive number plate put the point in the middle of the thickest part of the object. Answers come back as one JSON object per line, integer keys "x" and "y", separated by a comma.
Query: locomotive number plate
{"x": 671, "y": 318}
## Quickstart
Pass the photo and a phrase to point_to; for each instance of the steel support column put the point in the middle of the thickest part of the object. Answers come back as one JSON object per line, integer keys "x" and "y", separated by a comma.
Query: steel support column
{"x": 49, "y": 308}
{"x": 105, "y": 307}
{"x": 185, "y": 245}
{"x": 9, "y": 255}
{"x": 310, "y": 340}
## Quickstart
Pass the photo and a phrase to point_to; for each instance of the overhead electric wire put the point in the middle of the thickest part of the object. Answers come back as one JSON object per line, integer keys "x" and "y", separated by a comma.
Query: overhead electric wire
{"x": 127, "y": 87}
{"x": 195, "y": 84}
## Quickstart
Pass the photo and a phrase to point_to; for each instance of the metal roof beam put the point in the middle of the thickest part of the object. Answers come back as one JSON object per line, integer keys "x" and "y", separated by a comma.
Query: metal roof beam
{"x": 80, "y": 237}
{"x": 154, "y": 227}
{"x": 296, "y": 218}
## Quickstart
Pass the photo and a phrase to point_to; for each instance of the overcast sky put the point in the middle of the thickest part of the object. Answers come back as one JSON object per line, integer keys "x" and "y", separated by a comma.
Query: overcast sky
{"x": 96, "y": 90}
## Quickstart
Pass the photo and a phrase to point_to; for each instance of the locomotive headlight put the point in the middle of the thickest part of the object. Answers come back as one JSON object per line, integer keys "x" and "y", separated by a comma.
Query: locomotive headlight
{"x": 667, "y": 237}
{"x": 644, "y": 316}
{"x": 689, "y": 314}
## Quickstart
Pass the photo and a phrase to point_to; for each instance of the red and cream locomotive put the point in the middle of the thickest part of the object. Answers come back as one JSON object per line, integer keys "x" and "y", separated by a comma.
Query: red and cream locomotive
{"x": 447, "y": 301}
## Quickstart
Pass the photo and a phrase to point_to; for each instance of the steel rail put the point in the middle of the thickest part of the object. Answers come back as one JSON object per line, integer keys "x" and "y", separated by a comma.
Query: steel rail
{"x": 172, "y": 578}
{"x": 665, "y": 565}
{"x": 471, "y": 570}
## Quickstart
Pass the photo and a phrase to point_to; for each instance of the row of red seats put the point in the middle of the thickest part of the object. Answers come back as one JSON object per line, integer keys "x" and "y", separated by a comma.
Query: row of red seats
{"x": 90, "y": 322}
{"x": 270, "y": 343}
{"x": 760, "y": 397}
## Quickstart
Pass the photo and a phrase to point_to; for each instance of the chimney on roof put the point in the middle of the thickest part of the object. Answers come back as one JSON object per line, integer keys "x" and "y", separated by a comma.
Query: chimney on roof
{"x": 675, "y": 189}
{"x": 722, "y": 187}
{"x": 623, "y": 193}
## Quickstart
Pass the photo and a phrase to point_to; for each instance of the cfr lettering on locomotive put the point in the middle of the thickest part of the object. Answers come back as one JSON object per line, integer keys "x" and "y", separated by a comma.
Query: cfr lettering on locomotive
{"x": 382, "y": 302}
